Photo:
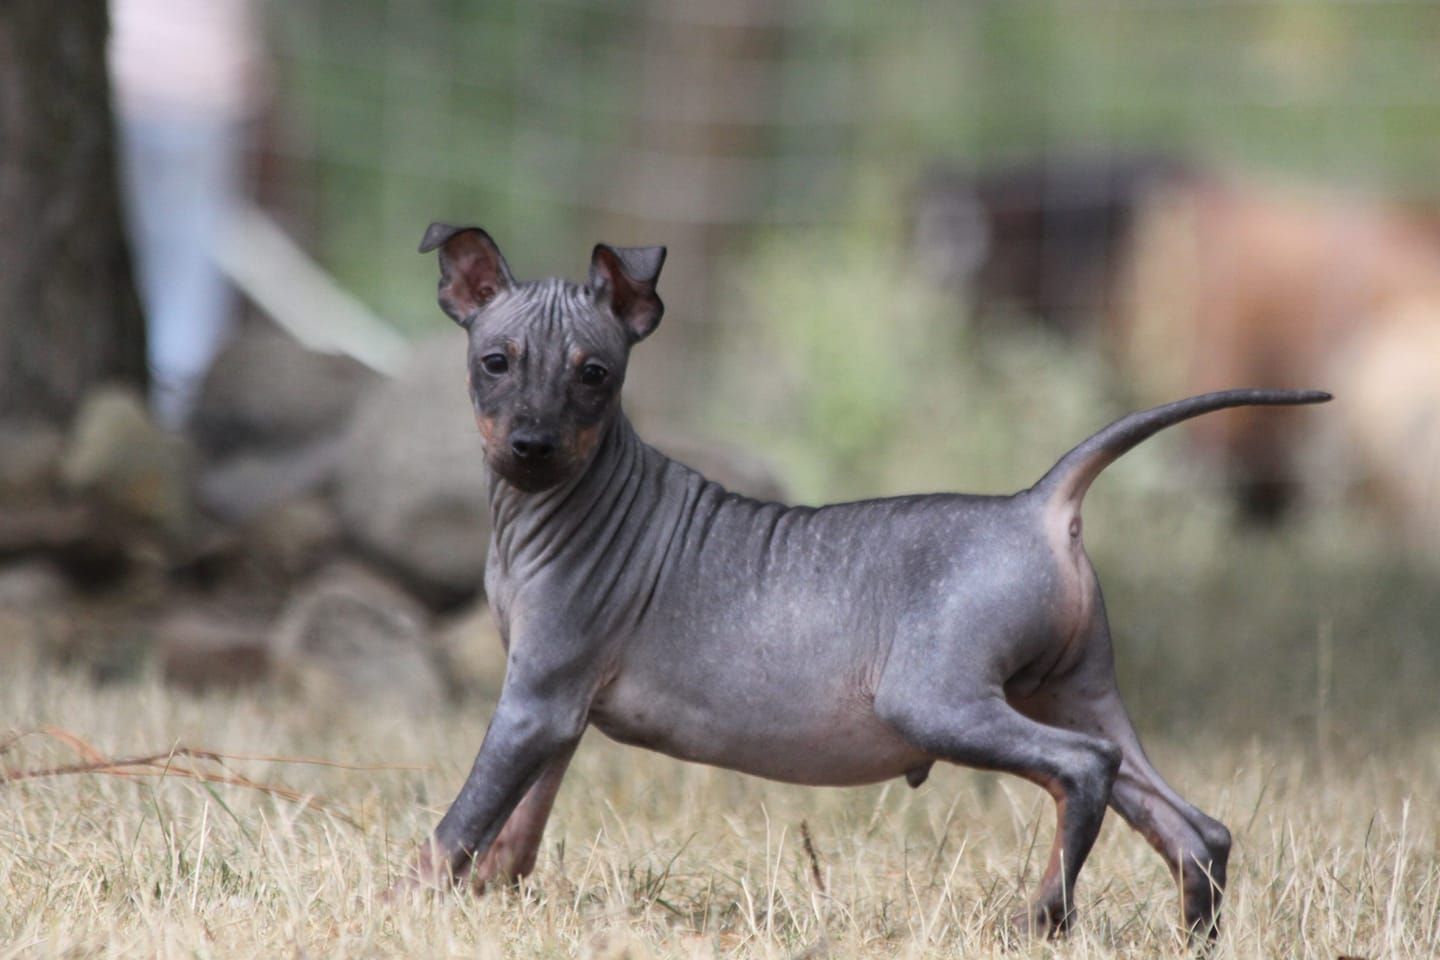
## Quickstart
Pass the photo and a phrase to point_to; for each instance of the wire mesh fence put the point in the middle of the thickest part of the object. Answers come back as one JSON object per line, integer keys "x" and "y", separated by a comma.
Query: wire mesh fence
{"x": 698, "y": 123}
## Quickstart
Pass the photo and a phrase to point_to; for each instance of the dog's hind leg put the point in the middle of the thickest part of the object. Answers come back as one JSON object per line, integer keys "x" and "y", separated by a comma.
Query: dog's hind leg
{"x": 1195, "y": 846}
{"x": 1075, "y": 768}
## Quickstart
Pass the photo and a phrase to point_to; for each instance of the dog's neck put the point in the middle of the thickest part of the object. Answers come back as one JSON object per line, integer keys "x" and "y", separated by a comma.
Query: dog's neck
{"x": 530, "y": 530}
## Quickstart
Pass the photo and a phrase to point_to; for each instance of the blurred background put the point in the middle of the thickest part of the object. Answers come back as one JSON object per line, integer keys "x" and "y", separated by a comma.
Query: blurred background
{"x": 913, "y": 246}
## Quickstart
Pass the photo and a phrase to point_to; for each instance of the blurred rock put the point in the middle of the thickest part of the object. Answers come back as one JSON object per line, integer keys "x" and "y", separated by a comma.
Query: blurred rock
{"x": 117, "y": 456}
{"x": 267, "y": 391}
{"x": 473, "y": 650}
{"x": 296, "y": 538}
{"x": 32, "y": 585}
{"x": 411, "y": 484}
{"x": 201, "y": 650}
{"x": 269, "y": 421}
{"x": 109, "y": 640}
{"x": 90, "y": 543}
{"x": 260, "y": 560}
{"x": 350, "y": 638}
{"x": 247, "y": 484}
{"x": 30, "y": 453}
{"x": 44, "y": 527}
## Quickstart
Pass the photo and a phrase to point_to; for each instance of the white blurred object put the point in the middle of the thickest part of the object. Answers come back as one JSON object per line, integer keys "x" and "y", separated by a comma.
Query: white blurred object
{"x": 280, "y": 278}
{"x": 186, "y": 75}
{"x": 173, "y": 55}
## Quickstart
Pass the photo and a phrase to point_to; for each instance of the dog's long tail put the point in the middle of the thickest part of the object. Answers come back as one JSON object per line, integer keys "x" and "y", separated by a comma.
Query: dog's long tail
{"x": 1067, "y": 481}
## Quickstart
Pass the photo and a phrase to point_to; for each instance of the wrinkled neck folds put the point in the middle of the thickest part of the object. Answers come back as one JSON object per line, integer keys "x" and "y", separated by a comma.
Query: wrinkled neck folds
{"x": 577, "y": 517}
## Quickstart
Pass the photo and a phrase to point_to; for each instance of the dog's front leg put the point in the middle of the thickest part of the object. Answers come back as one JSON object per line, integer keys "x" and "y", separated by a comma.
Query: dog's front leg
{"x": 513, "y": 851}
{"x": 536, "y": 726}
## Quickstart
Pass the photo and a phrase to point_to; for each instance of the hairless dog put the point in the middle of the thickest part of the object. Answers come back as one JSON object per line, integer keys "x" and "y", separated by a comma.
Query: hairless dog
{"x": 844, "y": 644}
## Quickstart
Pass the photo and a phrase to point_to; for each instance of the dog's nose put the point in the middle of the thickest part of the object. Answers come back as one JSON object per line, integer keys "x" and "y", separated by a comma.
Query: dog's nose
{"x": 532, "y": 446}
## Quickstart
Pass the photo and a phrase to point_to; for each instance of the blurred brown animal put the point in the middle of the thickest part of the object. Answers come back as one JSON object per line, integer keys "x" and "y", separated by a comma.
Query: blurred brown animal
{"x": 1391, "y": 417}
{"x": 1198, "y": 280}
{"x": 1041, "y": 236}
{"x": 1231, "y": 282}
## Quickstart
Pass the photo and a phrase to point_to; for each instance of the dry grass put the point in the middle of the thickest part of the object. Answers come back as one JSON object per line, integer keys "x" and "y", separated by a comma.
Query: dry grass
{"x": 1286, "y": 684}
{"x": 650, "y": 857}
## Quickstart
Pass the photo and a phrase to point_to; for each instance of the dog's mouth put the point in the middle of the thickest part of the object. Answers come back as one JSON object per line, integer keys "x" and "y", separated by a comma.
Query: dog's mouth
{"x": 531, "y": 477}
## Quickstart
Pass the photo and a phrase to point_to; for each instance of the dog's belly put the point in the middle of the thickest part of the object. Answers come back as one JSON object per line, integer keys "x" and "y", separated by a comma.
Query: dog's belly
{"x": 837, "y": 741}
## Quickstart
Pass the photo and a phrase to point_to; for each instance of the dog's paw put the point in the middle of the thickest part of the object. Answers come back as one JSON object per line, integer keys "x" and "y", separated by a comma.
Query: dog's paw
{"x": 429, "y": 872}
{"x": 405, "y": 890}
{"x": 1041, "y": 921}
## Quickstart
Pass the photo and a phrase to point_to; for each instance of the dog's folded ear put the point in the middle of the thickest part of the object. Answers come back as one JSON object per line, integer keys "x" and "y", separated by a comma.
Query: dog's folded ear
{"x": 472, "y": 271}
{"x": 623, "y": 279}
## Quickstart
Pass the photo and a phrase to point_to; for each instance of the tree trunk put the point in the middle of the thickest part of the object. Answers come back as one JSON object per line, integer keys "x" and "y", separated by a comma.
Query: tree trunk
{"x": 69, "y": 314}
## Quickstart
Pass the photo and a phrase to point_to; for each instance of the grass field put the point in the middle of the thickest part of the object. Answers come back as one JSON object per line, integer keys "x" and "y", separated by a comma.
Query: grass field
{"x": 1337, "y": 851}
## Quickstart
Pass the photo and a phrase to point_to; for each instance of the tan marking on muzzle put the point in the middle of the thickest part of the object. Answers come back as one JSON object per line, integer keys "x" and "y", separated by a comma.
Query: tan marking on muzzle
{"x": 586, "y": 440}
{"x": 486, "y": 426}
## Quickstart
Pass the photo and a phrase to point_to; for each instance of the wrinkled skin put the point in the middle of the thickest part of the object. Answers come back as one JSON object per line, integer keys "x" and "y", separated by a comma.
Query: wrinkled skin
{"x": 839, "y": 645}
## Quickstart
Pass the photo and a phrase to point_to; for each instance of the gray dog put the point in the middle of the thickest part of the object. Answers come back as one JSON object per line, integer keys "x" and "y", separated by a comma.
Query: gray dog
{"x": 844, "y": 644}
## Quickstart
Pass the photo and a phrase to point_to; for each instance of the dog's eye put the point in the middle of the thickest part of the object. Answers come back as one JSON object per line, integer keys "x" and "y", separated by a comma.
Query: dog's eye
{"x": 592, "y": 374}
{"x": 495, "y": 363}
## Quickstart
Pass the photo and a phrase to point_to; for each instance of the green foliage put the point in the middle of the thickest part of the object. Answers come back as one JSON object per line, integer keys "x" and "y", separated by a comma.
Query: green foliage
{"x": 839, "y": 331}
{"x": 863, "y": 380}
